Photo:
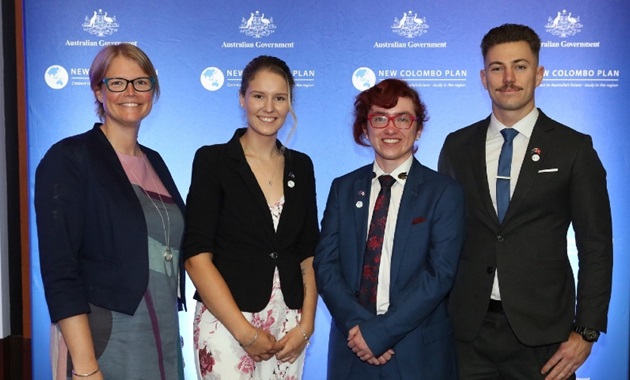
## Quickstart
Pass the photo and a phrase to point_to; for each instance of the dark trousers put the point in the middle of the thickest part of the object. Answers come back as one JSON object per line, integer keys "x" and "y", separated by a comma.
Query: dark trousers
{"x": 496, "y": 354}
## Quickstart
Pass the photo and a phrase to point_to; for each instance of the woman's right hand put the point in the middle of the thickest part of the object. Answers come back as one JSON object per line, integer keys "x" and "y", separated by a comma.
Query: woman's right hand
{"x": 263, "y": 347}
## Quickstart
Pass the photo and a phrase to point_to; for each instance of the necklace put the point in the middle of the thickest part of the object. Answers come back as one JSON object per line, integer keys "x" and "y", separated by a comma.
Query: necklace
{"x": 166, "y": 226}
{"x": 275, "y": 166}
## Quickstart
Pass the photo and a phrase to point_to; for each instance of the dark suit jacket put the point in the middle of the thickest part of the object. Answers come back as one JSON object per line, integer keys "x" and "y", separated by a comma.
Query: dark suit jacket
{"x": 229, "y": 217}
{"x": 567, "y": 185}
{"x": 427, "y": 246}
{"x": 91, "y": 228}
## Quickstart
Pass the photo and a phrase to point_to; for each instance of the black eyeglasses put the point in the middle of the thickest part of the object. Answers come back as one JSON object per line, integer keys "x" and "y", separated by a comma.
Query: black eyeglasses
{"x": 401, "y": 121}
{"x": 142, "y": 84}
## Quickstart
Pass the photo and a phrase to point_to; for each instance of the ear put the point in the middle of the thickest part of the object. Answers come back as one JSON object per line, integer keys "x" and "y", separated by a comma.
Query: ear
{"x": 418, "y": 133}
{"x": 99, "y": 95}
{"x": 241, "y": 100}
{"x": 540, "y": 73}
{"x": 482, "y": 75}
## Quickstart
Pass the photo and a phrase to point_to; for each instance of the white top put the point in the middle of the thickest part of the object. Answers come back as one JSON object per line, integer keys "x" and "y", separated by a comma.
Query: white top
{"x": 384, "y": 272}
{"x": 494, "y": 143}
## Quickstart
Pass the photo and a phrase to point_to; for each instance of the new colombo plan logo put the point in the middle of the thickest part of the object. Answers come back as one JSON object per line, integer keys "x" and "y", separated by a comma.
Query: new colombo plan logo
{"x": 56, "y": 77}
{"x": 212, "y": 78}
{"x": 363, "y": 78}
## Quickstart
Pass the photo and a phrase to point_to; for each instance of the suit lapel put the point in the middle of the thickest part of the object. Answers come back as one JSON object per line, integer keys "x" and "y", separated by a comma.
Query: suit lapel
{"x": 360, "y": 204}
{"x": 261, "y": 211}
{"x": 406, "y": 211}
{"x": 529, "y": 170}
{"x": 480, "y": 174}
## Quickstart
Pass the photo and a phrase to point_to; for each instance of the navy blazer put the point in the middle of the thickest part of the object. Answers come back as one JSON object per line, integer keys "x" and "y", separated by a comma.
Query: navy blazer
{"x": 228, "y": 216}
{"x": 565, "y": 183}
{"x": 91, "y": 227}
{"x": 427, "y": 243}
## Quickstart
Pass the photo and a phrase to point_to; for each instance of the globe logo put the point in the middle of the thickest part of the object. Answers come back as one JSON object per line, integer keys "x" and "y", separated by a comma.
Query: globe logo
{"x": 363, "y": 78}
{"x": 212, "y": 78}
{"x": 56, "y": 77}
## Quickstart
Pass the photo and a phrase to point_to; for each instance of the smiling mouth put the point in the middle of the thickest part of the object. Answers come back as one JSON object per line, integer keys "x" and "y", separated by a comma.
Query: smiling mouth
{"x": 391, "y": 141}
{"x": 130, "y": 104}
{"x": 266, "y": 119}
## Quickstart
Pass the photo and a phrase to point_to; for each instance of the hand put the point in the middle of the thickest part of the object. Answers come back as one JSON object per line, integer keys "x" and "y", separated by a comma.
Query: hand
{"x": 568, "y": 358}
{"x": 387, "y": 356}
{"x": 290, "y": 347}
{"x": 358, "y": 345}
{"x": 263, "y": 348}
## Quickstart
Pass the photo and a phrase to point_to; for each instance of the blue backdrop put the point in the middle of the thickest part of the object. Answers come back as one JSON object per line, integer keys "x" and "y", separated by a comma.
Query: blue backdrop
{"x": 336, "y": 49}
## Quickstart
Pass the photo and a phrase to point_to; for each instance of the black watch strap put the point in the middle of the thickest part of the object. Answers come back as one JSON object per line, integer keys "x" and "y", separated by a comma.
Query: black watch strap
{"x": 588, "y": 334}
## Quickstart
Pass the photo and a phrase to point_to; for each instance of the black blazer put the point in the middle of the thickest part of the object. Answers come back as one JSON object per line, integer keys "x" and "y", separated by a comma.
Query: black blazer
{"x": 91, "y": 227}
{"x": 567, "y": 185}
{"x": 227, "y": 215}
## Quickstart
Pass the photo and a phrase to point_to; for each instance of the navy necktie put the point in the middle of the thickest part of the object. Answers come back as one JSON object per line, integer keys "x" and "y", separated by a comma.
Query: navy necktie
{"x": 503, "y": 172}
{"x": 374, "y": 244}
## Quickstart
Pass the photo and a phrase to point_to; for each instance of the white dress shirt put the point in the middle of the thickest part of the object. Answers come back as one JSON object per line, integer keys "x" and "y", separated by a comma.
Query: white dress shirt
{"x": 494, "y": 143}
{"x": 384, "y": 272}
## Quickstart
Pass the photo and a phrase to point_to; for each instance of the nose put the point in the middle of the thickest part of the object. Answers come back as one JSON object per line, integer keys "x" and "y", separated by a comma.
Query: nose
{"x": 130, "y": 90}
{"x": 268, "y": 104}
{"x": 508, "y": 76}
{"x": 391, "y": 126}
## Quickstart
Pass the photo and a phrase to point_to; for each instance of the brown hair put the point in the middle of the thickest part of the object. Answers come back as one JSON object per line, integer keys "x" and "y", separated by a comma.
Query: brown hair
{"x": 511, "y": 33}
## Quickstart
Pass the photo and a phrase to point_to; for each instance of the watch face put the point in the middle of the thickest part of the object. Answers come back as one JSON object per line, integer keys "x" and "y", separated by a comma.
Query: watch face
{"x": 591, "y": 335}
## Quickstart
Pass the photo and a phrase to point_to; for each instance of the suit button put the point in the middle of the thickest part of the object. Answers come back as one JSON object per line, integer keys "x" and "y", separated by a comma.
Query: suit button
{"x": 500, "y": 238}
{"x": 490, "y": 270}
{"x": 356, "y": 294}
{"x": 273, "y": 255}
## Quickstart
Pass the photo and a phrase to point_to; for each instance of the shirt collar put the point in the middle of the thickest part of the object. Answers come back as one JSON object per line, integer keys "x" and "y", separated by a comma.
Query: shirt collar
{"x": 525, "y": 126}
{"x": 405, "y": 167}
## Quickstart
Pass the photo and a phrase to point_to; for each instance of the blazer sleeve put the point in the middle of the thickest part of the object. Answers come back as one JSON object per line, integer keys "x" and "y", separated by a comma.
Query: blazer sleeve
{"x": 309, "y": 236}
{"x": 60, "y": 201}
{"x": 414, "y": 302}
{"x": 591, "y": 218}
{"x": 339, "y": 297}
{"x": 202, "y": 204}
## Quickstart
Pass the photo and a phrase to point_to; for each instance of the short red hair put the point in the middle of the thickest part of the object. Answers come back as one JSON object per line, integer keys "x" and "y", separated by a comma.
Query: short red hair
{"x": 385, "y": 94}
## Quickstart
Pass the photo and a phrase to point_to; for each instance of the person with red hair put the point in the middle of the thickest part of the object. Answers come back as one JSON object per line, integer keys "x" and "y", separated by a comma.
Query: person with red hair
{"x": 391, "y": 237}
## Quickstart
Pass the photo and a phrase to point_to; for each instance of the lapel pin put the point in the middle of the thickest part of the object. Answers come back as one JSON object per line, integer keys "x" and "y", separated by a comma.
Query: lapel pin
{"x": 403, "y": 176}
{"x": 291, "y": 184}
{"x": 535, "y": 154}
{"x": 359, "y": 204}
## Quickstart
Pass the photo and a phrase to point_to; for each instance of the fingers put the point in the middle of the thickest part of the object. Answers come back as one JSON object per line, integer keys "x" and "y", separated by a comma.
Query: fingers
{"x": 293, "y": 346}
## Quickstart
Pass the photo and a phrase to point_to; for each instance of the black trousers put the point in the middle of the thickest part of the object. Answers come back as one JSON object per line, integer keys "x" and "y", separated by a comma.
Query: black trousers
{"x": 496, "y": 354}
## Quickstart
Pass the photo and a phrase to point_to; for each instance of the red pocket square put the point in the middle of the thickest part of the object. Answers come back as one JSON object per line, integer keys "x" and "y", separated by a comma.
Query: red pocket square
{"x": 418, "y": 220}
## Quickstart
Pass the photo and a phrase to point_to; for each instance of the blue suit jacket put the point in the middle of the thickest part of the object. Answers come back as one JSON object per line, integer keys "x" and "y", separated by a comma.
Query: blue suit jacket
{"x": 426, "y": 250}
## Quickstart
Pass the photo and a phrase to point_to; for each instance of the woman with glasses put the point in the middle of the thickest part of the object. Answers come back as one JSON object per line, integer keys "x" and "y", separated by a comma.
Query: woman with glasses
{"x": 110, "y": 222}
{"x": 251, "y": 231}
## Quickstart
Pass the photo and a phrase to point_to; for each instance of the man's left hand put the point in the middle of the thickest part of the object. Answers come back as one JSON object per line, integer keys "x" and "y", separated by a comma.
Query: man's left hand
{"x": 568, "y": 358}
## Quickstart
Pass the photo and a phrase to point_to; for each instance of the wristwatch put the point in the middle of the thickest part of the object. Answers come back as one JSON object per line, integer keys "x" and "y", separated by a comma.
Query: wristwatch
{"x": 588, "y": 335}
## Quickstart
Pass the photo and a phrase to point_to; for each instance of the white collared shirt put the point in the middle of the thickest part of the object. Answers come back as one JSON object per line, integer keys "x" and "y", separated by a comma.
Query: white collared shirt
{"x": 384, "y": 272}
{"x": 494, "y": 143}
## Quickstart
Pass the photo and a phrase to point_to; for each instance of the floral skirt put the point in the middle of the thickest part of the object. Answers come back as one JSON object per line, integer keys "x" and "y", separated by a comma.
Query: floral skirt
{"x": 219, "y": 356}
